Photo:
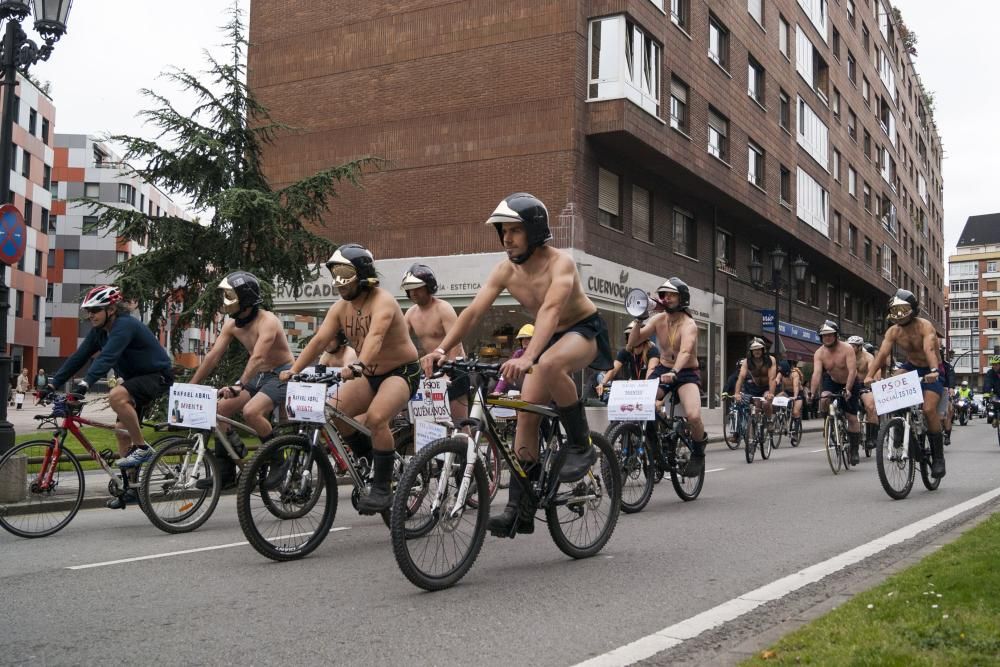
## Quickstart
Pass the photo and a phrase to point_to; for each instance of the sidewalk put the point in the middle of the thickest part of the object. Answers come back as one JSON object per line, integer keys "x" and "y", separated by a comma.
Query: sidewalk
{"x": 24, "y": 419}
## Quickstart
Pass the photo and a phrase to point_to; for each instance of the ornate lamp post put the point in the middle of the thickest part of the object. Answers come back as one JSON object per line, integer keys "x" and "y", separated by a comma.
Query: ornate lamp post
{"x": 17, "y": 54}
{"x": 778, "y": 257}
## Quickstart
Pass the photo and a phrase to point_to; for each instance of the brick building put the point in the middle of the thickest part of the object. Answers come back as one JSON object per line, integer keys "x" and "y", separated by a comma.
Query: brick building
{"x": 668, "y": 137}
{"x": 974, "y": 297}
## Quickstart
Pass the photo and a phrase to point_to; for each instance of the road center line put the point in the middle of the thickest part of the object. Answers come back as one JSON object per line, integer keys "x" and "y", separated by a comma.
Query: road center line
{"x": 180, "y": 553}
{"x": 673, "y": 635}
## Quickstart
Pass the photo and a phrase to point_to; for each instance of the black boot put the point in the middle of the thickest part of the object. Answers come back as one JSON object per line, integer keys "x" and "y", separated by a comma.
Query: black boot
{"x": 227, "y": 469}
{"x": 696, "y": 465}
{"x": 947, "y": 437}
{"x": 518, "y": 516}
{"x": 379, "y": 496}
{"x": 872, "y": 433}
{"x": 854, "y": 440}
{"x": 580, "y": 453}
{"x": 937, "y": 452}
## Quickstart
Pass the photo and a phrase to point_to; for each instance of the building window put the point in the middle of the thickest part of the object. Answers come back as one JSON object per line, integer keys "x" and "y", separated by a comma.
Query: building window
{"x": 866, "y": 91}
{"x": 755, "y": 80}
{"x": 48, "y": 327}
{"x": 121, "y": 256}
{"x": 725, "y": 251}
{"x": 852, "y": 68}
{"x": 679, "y": 12}
{"x": 865, "y": 38}
{"x": 29, "y": 212}
{"x": 832, "y": 302}
{"x": 46, "y": 176}
{"x": 991, "y": 267}
{"x": 44, "y": 226}
{"x": 783, "y": 35}
{"x": 71, "y": 259}
{"x": 32, "y": 121}
{"x": 868, "y": 251}
{"x": 835, "y": 232}
{"x": 809, "y": 63}
{"x": 813, "y": 291}
{"x": 45, "y": 131}
{"x": 92, "y": 190}
{"x": 642, "y": 214}
{"x": 678, "y": 105}
{"x": 756, "y": 9}
{"x": 718, "y": 130}
{"x": 784, "y": 111}
{"x": 812, "y": 203}
{"x": 685, "y": 234}
{"x": 836, "y": 44}
{"x": 718, "y": 42}
{"x": 51, "y": 262}
{"x": 756, "y": 163}
{"x": 636, "y": 76}
{"x": 785, "y": 186}
{"x": 867, "y": 197}
{"x": 126, "y": 194}
{"x": 142, "y": 202}
{"x": 852, "y": 239}
{"x": 835, "y": 102}
{"x": 813, "y": 134}
{"x": 25, "y": 163}
{"x": 54, "y": 190}
{"x": 608, "y": 209}
{"x": 957, "y": 286}
{"x": 852, "y": 182}
{"x": 90, "y": 226}
{"x": 18, "y": 303}
{"x": 36, "y": 303}
{"x": 850, "y": 12}
{"x": 836, "y": 164}
{"x": 38, "y": 262}
{"x": 852, "y": 124}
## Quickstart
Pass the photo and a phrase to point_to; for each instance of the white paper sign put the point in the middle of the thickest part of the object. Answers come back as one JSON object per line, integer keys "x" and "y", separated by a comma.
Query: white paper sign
{"x": 425, "y": 432}
{"x": 305, "y": 401}
{"x": 898, "y": 392}
{"x": 780, "y": 401}
{"x": 430, "y": 403}
{"x": 632, "y": 400}
{"x": 192, "y": 405}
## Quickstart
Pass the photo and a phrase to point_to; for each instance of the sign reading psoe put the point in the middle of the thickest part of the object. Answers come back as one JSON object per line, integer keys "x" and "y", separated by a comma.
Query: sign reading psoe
{"x": 897, "y": 392}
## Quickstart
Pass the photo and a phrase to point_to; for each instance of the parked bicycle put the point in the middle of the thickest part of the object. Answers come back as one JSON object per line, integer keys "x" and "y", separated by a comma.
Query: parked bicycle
{"x": 42, "y": 482}
{"x": 437, "y": 542}
{"x": 903, "y": 442}
{"x": 756, "y": 435}
{"x": 648, "y": 450}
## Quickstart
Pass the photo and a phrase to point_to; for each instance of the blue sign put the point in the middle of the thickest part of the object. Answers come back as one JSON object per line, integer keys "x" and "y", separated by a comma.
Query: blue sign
{"x": 795, "y": 331}
{"x": 13, "y": 234}
{"x": 767, "y": 320}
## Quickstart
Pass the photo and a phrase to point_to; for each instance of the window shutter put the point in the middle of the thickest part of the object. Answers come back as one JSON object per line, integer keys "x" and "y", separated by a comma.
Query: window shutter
{"x": 607, "y": 195}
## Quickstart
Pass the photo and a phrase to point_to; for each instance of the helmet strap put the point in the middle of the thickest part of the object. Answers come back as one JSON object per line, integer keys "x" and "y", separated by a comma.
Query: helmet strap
{"x": 248, "y": 318}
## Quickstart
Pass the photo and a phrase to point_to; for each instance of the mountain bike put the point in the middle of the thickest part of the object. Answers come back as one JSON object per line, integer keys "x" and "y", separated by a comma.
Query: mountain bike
{"x": 902, "y": 441}
{"x": 437, "y": 542}
{"x": 646, "y": 450}
{"x": 286, "y": 499}
{"x": 835, "y": 435}
{"x": 734, "y": 422}
{"x": 781, "y": 416}
{"x": 756, "y": 435}
{"x": 42, "y": 482}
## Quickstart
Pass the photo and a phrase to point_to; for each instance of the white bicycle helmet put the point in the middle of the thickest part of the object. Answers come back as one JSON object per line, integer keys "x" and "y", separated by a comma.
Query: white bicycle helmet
{"x": 101, "y": 296}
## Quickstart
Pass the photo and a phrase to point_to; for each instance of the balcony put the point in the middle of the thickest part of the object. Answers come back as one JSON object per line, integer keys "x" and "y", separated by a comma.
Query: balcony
{"x": 962, "y": 295}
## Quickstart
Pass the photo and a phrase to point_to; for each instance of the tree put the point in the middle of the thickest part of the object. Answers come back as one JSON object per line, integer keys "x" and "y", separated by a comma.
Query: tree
{"x": 212, "y": 156}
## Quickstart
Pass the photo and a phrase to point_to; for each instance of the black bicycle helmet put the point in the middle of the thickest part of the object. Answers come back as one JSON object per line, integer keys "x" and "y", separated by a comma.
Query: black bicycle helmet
{"x": 419, "y": 275}
{"x": 903, "y": 307}
{"x": 352, "y": 262}
{"x": 240, "y": 290}
{"x": 528, "y": 210}
{"x": 677, "y": 286}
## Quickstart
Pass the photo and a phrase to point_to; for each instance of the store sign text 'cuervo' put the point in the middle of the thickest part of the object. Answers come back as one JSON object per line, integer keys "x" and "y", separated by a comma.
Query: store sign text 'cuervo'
{"x": 618, "y": 289}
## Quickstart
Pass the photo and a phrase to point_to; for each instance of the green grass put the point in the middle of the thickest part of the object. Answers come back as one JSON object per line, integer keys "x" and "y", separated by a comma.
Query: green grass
{"x": 943, "y": 611}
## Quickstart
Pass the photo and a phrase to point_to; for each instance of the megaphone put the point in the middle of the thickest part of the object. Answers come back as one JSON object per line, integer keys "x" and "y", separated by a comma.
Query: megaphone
{"x": 637, "y": 303}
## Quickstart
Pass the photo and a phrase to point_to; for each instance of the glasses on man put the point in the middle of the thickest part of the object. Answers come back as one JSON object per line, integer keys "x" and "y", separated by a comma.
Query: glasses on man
{"x": 343, "y": 274}
{"x": 898, "y": 312}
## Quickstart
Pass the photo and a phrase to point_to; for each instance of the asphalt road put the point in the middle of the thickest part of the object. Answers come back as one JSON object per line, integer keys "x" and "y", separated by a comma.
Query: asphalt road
{"x": 523, "y": 602}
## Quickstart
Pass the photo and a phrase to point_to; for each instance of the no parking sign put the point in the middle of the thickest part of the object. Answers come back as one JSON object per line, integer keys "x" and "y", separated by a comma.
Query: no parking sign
{"x": 13, "y": 234}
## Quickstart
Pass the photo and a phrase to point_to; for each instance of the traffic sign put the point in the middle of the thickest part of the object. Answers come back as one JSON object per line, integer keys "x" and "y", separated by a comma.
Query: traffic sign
{"x": 13, "y": 234}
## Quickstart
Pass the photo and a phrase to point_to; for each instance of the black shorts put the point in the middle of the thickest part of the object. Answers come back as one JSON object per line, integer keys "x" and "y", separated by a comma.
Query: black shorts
{"x": 591, "y": 328}
{"x": 683, "y": 377}
{"x": 754, "y": 390}
{"x": 459, "y": 387}
{"x": 144, "y": 389}
{"x": 267, "y": 383}
{"x": 852, "y": 406}
{"x": 409, "y": 372}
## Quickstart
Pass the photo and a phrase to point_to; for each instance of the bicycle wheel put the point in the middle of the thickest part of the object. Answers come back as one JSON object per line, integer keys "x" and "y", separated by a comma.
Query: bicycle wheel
{"x": 749, "y": 439}
{"x": 583, "y": 514}
{"x": 33, "y": 504}
{"x": 930, "y": 483}
{"x": 893, "y": 460}
{"x": 766, "y": 439}
{"x": 730, "y": 428}
{"x": 780, "y": 425}
{"x": 833, "y": 450}
{"x": 291, "y": 519}
{"x": 439, "y": 555}
{"x": 678, "y": 455}
{"x": 795, "y": 432}
{"x": 629, "y": 442}
{"x": 167, "y": 486}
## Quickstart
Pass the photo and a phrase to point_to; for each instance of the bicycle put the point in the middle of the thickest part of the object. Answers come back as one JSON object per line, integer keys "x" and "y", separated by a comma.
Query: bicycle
{"x": 42, "y": 482}
{"x": 902, "y": 440}
{"x": 437, "y": 544}
{"x": 278, "y": 498}
{"x": 734, "y": 423}
{"x": 647, "y": 450}
{"x": 781, "y": 417}
{"x": 835, "y": 435}
{"x": 756, "y": 436}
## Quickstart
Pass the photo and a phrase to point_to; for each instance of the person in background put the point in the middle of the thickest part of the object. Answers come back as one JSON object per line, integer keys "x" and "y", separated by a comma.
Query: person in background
{"x": 523, "y": 337}
{"x": 634, "y": 363}
{"x": 21, "y": 388}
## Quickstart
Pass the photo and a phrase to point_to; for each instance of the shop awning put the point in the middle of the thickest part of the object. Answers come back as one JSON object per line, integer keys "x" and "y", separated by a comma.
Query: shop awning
{"x": 799, "y": 350}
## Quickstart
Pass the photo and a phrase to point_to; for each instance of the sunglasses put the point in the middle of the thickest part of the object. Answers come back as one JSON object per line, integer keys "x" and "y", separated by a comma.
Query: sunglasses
{"x": 343, "y": 273}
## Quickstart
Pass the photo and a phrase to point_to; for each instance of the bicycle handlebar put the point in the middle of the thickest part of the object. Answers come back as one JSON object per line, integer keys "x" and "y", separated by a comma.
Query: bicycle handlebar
{"x": 472, "y": 365}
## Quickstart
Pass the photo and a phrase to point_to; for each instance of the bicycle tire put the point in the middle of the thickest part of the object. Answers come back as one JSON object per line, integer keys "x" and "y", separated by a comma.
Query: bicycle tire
{"x": 996, "y": 427}
{"x": 25, "y": 519}
{"x": 833, "y": 457}
{"x": 749, "y": 440}
{"x": 625, "y": 438}
{"x": 287, "y": 539}
{"x": 166, "y": 487}
{"x": 731, "y": 428}
{"x": 780, "y": 424}
{"x": 795, "y": 432}
{"x": 889, "y": 461}
{"x": 408, "y": 548}
{"x": 609, "y": 475}
{"x": 686, "y": 488}
{"x": 766, "y": 441}
{"x": 930, "y": 483}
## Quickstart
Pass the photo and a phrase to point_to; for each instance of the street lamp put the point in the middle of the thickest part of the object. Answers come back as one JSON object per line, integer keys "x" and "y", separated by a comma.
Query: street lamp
{"x": 778, "y": 257}
{"x": 17, "y": 54}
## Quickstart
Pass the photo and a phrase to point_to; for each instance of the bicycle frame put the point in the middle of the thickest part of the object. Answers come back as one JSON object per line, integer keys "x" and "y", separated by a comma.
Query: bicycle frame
{"x": 71, "y": 425}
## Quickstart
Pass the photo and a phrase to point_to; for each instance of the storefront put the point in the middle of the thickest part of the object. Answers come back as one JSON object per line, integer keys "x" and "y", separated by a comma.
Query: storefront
{"x": 460, "y": 278}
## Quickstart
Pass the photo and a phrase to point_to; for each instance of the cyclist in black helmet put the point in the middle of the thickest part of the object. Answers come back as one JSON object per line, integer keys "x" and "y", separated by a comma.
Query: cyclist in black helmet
{"x": 835, "y": 364}
{"x": 387, "y": 375}
{"x": 258, "y": 389}
{"x": 429, "y": 320}
{"x": 919, "y": 342}
{"x": 569, "y": 336}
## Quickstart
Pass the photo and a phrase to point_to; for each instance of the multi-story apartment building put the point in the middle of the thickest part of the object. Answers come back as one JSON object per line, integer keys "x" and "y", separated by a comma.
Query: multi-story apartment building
{"x": 668, "y": 137}
{"x": 31, "y": 160}
{"x": 974, "y": 297}
{"x": 86, "y": 167}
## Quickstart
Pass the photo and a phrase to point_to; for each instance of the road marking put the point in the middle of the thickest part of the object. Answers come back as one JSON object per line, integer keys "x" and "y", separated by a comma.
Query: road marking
{"x": 180, "y": 553}
{"x": 714, "y": 470}
{"x": 813, "y": 451}
{"x": 673, "y": 635}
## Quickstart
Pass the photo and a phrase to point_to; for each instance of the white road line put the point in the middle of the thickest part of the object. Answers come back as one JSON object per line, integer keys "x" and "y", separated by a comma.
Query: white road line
{"x": 179, "y": 553}
{"x": 715, "y": 470}
{"x": 673, "y": 635}
{"x": 813, "y": 451}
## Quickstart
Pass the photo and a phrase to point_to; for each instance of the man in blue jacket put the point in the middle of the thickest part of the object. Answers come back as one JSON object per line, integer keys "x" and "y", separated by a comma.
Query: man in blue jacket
{"x": 119, "y": 341}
